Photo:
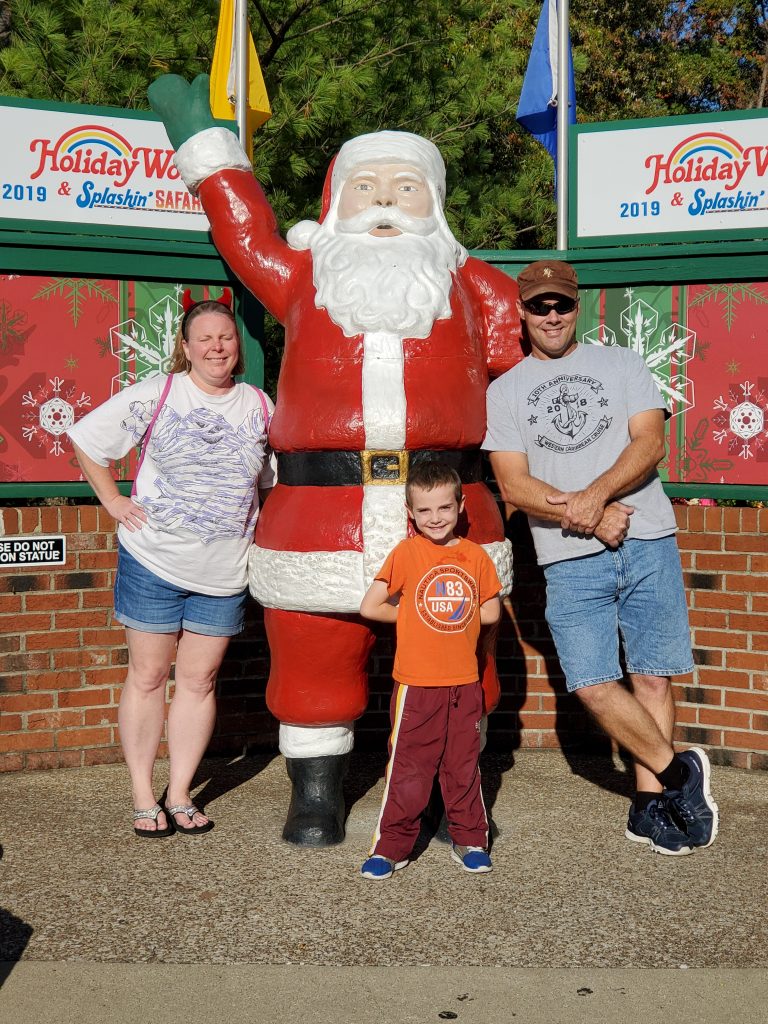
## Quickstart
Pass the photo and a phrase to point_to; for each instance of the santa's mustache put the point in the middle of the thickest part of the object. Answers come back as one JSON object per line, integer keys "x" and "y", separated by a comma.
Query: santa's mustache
{"x": 389, "y": 216}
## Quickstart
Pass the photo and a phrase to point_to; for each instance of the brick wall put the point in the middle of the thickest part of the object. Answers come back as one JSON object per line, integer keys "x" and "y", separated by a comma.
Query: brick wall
{"x": 62, "y": 660}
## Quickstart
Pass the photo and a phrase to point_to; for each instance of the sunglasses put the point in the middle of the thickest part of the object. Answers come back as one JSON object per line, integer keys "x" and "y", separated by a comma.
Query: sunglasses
{"x": 543, "y": 307}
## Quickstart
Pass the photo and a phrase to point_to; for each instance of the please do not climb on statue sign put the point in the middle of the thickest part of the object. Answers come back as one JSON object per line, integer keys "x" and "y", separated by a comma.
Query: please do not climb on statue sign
{"x": 50, "y": 549}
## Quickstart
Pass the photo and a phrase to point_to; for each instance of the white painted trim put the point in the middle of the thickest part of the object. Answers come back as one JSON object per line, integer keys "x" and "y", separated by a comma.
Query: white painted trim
{"x": 334, "y": 581}
{"x": 385, "y": 524}
{"x": 500, "y": 553}
{"x": 316, "y": 741}
{"x": 383, "y": 390}
{"x": 307, "y": 581}
{"x": 209, "y": 151}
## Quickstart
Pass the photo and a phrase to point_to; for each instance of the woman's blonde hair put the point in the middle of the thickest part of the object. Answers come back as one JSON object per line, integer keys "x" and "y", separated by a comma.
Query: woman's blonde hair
{"x": 179, "y": 361}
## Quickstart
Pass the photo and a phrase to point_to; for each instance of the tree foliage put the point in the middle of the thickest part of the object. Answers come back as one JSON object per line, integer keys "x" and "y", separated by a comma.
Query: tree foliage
{"x": 653, "y": 58}
{"x": 448, "y": 69}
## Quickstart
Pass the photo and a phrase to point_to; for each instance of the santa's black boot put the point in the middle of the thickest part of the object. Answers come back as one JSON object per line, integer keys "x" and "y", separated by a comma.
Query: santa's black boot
{"x": 317, "y": 811}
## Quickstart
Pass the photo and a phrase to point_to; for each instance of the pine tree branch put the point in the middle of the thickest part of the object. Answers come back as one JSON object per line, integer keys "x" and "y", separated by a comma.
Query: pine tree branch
{"x": 535, "y": 227}
{"x": 372, "y": 57}
{"x": 5, "y": 23}
{"x": 473, "y": 122}
{"x": 335, "y": 21}
{"x": 280, "y": 35}
{"x": 264, "y": 20}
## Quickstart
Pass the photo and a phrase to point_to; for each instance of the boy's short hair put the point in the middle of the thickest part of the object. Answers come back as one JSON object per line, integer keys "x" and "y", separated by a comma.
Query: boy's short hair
{"x": 428, "y": 475}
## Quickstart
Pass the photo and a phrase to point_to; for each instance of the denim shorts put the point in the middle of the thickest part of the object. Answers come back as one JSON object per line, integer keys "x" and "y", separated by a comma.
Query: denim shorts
{"x": 634, "y": 593}
{"x": 149, "y": 603}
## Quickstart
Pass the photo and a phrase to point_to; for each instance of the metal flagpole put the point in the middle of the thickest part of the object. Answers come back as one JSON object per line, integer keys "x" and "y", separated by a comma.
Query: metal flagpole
{"x": 563, "y": 93}
{"x": 241, "y": 78}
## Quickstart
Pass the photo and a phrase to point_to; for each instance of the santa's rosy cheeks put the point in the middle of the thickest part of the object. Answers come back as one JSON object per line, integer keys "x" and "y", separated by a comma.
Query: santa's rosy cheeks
{"x": 385, "y": 185}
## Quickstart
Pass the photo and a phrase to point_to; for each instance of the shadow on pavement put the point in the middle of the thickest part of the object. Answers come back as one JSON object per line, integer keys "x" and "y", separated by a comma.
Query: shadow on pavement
{"x": 218, "y": 776}
{"x": 14, "y": 938}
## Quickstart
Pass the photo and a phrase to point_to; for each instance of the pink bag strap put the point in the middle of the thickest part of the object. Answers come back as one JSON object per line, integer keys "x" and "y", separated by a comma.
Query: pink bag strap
{"x": 148, "y": 434}
{"x": 264, "y": 406}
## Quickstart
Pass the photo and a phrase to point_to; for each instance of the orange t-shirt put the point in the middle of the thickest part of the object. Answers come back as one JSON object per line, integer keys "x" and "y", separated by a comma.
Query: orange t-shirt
{"x": 438, "y": 620}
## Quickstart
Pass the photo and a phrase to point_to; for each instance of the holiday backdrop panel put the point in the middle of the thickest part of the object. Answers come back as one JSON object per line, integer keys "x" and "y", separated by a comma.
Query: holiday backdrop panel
{"x": 727, "y": 438}
{"x": 707, "y": 348}
{"x": 66, "y": 346}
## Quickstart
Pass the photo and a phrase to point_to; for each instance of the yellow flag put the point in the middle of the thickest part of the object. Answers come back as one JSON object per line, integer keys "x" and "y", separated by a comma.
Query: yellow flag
{"x": 223, "y": 72}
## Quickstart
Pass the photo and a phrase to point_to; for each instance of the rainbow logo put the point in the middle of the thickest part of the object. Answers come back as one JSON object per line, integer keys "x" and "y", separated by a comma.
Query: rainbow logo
{"x": 706, "y": 142}
{"x": 93, "y": 135}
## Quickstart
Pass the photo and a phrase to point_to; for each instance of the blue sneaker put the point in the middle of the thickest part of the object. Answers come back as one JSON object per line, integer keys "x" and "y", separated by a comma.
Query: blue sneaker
{"x": 472, "y": 858}
{"x": 379, "y": 868}
{"x": 693, "y": 806}
{"x": 653, "y": 826}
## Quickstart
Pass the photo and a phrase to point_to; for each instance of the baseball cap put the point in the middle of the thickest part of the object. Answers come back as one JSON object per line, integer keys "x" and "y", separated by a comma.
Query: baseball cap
{"x": 548, "y": 276}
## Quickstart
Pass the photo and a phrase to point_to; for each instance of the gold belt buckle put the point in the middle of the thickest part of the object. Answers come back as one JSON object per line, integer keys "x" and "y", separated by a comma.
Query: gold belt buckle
{"x": 384, "y": 467}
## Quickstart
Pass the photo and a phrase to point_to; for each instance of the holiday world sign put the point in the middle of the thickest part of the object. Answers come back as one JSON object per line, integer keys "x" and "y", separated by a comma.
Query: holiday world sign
{"x": 77, "y": 167}
{"x": 671, "y": 179}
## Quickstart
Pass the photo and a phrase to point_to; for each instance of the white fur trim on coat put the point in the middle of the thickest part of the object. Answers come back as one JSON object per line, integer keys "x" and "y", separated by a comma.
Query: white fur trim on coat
{"x": 383, "y": 391}
{"x": 332, "y": 581}
{"x": 385, "y": 523}
{"x": 316, "y": 741}
{"x": 212, "y": 150}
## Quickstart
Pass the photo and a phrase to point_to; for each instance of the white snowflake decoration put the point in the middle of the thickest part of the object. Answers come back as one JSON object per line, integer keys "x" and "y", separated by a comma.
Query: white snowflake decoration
{"x": 747, "y": 420}
{"x": 741, "y": 420}
{"x": 130, "y": 340}
{"x": 56, "y": 416}
{"x": 666, "y": 356}
{"x": 51, "y": 414}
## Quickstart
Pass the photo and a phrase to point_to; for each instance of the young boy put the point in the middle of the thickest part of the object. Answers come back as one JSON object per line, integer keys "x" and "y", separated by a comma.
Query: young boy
{"x": 438, "y": 588}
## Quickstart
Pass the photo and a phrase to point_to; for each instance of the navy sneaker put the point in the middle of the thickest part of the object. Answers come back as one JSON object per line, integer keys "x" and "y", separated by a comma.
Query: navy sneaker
{"x": 653, "y": 826}
{"x": 378, "y": 868}
{"x": 693, "y": 806}
{"x": 472, "y": 858}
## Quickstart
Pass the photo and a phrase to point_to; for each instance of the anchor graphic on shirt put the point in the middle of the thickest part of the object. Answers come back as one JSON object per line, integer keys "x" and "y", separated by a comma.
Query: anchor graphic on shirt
{"x": 570, "y": 420}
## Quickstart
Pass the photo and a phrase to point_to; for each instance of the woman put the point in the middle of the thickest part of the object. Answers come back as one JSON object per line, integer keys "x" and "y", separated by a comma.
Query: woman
{"x": 183, "y": 541}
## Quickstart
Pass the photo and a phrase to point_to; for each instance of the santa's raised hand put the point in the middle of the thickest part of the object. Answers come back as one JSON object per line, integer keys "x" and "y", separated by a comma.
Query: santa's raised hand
{"x": 183, "y": 107}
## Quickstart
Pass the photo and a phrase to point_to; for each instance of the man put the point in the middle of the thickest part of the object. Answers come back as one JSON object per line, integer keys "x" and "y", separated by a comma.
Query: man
{"x": 575, "y": 434}
{"x": 391, "y": 333}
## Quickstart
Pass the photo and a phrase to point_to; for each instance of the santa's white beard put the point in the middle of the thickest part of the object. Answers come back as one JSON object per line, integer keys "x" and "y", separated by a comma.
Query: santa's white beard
{"x": 399, "y": 284}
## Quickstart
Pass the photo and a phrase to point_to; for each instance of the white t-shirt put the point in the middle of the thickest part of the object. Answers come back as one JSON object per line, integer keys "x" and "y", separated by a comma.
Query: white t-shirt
{"x": 570, "y": 417}
{"x": 206, "y": 456}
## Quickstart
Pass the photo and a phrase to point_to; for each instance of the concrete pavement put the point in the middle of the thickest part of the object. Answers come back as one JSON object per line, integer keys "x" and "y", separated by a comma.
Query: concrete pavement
{"x": 574, "y": 923}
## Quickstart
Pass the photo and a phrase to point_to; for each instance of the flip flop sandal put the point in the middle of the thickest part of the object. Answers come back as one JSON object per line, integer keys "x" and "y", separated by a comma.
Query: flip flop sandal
{"x": 189, "y": 810}
{"x": 155, "y": 833}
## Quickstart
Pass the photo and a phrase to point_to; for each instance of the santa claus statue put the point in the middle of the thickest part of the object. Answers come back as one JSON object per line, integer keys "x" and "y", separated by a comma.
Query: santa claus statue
{"x": 391, "y": 334}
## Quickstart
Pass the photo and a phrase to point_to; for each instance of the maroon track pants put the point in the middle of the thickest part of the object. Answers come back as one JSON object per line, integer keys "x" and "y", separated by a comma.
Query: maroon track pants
{"x": 434, "y": 728}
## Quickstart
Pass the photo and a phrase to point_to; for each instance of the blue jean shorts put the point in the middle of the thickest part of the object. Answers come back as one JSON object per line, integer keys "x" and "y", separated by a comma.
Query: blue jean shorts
{"x": 147, "y": 602}
{"x": 634, "y": 594}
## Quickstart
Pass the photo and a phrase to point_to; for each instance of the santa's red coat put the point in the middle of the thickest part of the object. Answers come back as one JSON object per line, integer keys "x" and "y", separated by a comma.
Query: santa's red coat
{"x": 320, "y": 407}
{"x": 319, "y": 399}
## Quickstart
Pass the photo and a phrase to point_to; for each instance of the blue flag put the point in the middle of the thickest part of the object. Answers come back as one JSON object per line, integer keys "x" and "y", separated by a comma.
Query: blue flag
{"x": 537, "y": 109}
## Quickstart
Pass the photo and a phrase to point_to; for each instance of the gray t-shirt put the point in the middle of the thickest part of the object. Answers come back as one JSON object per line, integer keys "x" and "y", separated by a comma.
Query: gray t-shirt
{"x": 570, "y": 417}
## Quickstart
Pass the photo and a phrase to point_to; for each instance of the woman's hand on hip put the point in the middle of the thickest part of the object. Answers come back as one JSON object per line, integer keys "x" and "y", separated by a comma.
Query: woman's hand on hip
{"x": 123, "y": 509}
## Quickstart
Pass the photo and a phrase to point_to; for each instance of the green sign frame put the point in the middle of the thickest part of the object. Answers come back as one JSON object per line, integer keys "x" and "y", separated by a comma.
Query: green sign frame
{"x": 69, "y": 228}
{"x": 649, "y": 238}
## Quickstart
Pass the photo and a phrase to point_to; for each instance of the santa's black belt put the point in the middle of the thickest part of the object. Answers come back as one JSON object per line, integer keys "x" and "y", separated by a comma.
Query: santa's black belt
{"x": 374, "y": 466}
